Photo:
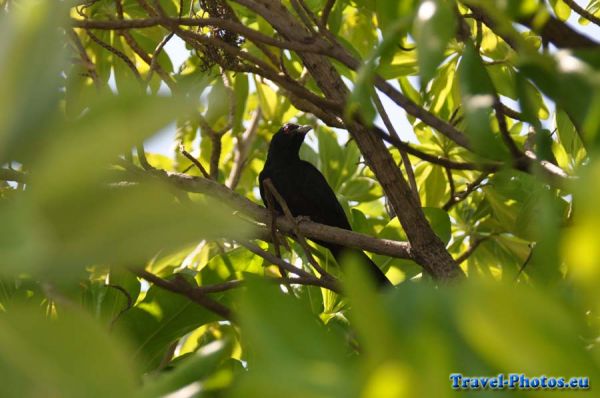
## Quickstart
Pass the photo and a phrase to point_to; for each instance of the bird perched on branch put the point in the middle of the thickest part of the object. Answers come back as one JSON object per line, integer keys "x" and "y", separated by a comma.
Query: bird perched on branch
{"x": 307, "y": 193}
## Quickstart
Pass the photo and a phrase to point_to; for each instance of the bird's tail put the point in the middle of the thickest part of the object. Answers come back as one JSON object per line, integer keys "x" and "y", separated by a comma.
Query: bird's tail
{"x": 372, "y": 269}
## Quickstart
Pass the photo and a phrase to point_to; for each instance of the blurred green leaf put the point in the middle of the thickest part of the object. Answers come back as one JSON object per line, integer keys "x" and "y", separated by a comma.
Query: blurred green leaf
{"x": 433, "y": 28}
{"x": 195, "y": 367}
{"x": 30, "y": 93}
{"x": 292, "y": 355}
{"x": 477, "y": 91}
{"x": 158, "y": 321}
{"x": 360, "y": 101}
{"x": 561, "y": 9}
{"x": 67, "y": 355}
{"x": 570, "y": 82}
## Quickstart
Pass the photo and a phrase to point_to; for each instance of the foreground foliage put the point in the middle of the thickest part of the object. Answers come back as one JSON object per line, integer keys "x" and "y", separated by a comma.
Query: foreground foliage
{"x": 126, "y": 273}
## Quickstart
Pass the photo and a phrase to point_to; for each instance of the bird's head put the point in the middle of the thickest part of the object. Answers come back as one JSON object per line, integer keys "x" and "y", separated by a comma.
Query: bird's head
{"x": 287, "y": 141}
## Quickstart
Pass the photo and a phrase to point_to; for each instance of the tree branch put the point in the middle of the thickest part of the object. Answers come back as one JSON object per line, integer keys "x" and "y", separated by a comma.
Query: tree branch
{"x": 182, "y": 287}
{"x": 454, "y": 199}
{"x": 583, "y": 12}
{"x": 476, "y": 242}
{"x": 553, "y": 30}
{"x": 330, "y": 284}
{"x": 242, "y": 149}
{"x": 195, "y": 161}
{"x": 310, "y": 229}
{"x": 299, "y": 236}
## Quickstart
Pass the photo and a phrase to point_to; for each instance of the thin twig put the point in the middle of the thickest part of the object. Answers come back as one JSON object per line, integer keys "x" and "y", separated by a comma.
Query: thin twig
{"x": 450, "y": 182}
{"x": 194, "y": 161}
{"x": 128, "y": 305}
{"x": 453, "y": 200}
{"x": 85, "y": 59}
{"x": 142, "y": 158}
{"x": 583, "y": 12}
{"x": 182, "y": 287}
{"x": 274, "y": 260}
{"x": 150, "y": 61}
{"x": 242, "y": 148}
{"x": 116, "y": 52}
{"x": 326, "y": 11}
{"x": 330, "y": 284}
{"x": 508, "y": 140}
{"x": 522, "y": 268}
{"x": 435, "y": 159}
{"x": 403, "y": 154}
{"x": 474, "y": 245}
{"x": 305, "y": 15}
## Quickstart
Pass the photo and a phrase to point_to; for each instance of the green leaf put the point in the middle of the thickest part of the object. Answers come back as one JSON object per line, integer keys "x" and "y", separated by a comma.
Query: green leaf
{"x": 331, "y": 156}
{"x": 360, "y": 102}
{"x": 433, "y": 28}
{"x": 281, "y": 363}
{"x": 194, "y": 368}
{"x": 157, "y": 321}
{"x": 75, "y": 357}
{"x": 388, "y": 11}
{"x": 369, "y": 316}
{"x": 441, "y": 93}
{"x": 503, "y": 78}
{"x": 570, "y": 82}
{"x": 409, "y": 90}
{"x": 531, "y": 102}
{"x": 241, "y": 88}
{"x": 435, "y": 187}
{"x": 545, "y": 342}
{"x": 76, "y": 154}
{"x": 30, "y": 93}
{"x": 477, "y": 92}
{"x": 360, "y": 189}
{"x": 218, "y": 104}
{"x": 561, "y": 9}
{"x": 267, "y": 99}
{"x": 440, "y": 223}
{"x": 231, "y": 264}
{"x": 122, "y": 291}
{"x": 148, "y": 41}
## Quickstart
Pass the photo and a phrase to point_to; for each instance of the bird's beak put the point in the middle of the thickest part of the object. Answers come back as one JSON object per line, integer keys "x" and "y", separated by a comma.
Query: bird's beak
{"x": 303, "y": 129}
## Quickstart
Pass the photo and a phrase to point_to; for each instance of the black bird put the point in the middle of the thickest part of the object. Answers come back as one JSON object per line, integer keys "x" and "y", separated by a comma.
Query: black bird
{"x": 306, "y": 191}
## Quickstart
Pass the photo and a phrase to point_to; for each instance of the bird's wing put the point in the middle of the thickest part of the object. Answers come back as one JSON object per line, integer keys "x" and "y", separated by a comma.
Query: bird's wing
{"x": 306, "y": 193}
{"x": 261, "y": 177}
{"x": 316, "y": 190}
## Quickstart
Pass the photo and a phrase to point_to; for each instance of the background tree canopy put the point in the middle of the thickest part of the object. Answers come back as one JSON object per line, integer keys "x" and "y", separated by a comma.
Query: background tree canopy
{"x": 461, "y": 138}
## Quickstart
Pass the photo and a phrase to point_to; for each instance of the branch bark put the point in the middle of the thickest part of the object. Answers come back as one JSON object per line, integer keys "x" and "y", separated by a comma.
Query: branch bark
{"x": 182, "y": 287}
{"x": 309, "y": 229}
